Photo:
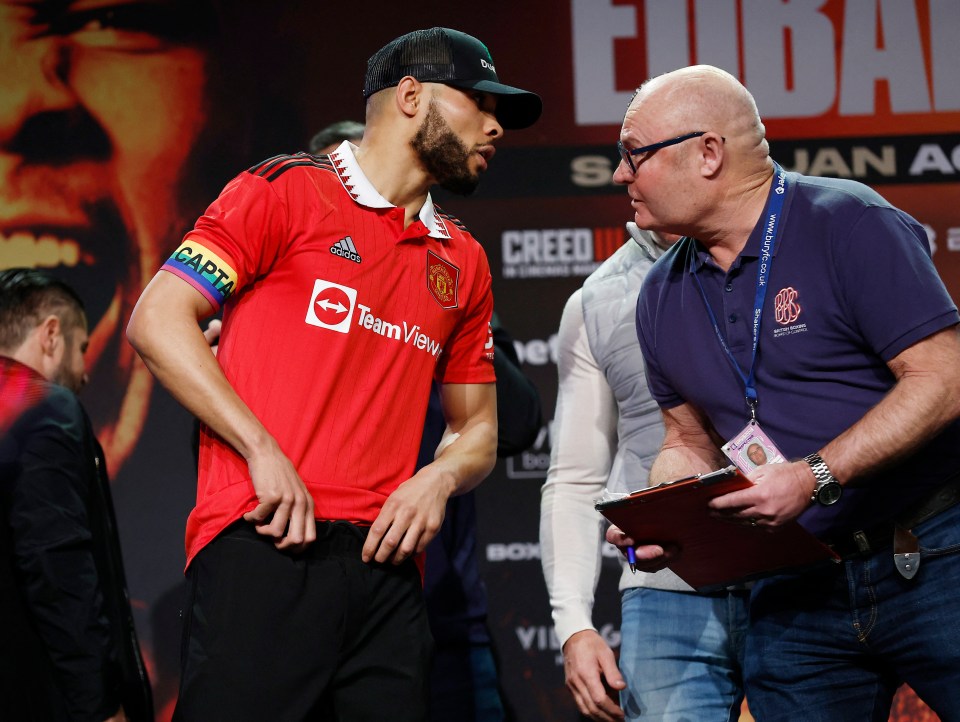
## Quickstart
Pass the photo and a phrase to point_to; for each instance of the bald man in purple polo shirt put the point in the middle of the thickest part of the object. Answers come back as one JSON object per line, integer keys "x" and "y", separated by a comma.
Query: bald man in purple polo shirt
{"x": 810, "y": 308}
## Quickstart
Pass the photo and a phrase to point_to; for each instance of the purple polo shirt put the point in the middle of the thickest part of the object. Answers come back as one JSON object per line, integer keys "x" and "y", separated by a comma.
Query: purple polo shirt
{"x": 851, "y": 286}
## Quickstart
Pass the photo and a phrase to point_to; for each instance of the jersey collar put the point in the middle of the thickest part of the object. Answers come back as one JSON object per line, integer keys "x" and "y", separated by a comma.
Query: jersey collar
{"x": 362, "y": 191}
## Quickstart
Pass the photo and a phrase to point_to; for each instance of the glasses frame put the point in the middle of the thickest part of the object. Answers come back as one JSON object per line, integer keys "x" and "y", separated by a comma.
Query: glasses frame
{"x": 626, "y": 154}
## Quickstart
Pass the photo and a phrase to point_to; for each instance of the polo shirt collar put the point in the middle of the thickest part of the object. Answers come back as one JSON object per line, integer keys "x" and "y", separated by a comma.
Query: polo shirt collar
{"x": 703, "y": 258}
{"x": 700, "y": 254}
{"x": 362, "y": 191}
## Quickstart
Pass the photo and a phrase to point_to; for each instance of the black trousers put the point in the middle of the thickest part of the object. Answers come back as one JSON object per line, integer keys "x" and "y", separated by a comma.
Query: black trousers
{"x": 314, "y": 636}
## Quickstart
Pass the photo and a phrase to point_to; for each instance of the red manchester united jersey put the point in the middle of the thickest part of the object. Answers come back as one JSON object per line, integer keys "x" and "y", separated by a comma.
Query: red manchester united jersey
{"x": 335, "y": 320}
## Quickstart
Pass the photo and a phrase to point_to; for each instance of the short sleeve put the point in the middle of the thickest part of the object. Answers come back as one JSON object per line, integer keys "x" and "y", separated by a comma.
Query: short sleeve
{"x": 901, "y": 299}
{"x": 235, "y": 241}
{"x": 468, "y": 356}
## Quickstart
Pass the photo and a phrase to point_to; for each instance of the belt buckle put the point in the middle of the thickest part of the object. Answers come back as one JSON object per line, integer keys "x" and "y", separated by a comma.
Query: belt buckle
{"x": 906, "y": 552}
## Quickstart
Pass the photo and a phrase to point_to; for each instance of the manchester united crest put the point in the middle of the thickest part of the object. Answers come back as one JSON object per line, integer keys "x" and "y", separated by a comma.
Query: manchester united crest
{"x": 442, "y": 277}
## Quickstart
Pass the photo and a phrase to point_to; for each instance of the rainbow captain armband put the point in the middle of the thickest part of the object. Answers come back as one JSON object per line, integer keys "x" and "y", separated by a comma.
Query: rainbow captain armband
{"x": 204, "y": 270}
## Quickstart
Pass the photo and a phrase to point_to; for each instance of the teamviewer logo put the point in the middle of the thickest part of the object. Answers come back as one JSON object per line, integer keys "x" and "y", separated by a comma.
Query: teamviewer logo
{"x": 331, "y": 306}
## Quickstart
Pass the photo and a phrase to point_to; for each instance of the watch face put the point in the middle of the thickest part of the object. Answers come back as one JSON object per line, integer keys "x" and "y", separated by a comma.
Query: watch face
{"x": 829, "y": 493}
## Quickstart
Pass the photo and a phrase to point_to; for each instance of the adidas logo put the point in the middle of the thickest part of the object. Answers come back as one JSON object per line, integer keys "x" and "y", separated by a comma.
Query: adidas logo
{"x": 345, "y": 249}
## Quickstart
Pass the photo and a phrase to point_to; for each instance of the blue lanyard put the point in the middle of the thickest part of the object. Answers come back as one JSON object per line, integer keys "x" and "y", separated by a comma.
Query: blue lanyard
{"x": 771, "y": 220}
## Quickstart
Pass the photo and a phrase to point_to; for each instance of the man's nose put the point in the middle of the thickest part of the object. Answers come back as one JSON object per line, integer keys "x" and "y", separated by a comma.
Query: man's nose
{"x": 622, "y": 174}
{"x": 33, "y": 81}
{"x": 494, "y": 129}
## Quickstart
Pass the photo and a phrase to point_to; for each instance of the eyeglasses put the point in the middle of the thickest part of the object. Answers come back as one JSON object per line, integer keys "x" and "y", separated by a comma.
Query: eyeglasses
{"x": 627, "y": 153}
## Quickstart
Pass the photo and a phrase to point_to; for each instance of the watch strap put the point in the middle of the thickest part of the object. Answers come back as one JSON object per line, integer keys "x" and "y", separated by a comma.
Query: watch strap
{"x": 821, "y": 473}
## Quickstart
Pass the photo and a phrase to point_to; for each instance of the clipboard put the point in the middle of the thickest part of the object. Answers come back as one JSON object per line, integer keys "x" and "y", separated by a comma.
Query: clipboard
{"x": 713, "y": 553}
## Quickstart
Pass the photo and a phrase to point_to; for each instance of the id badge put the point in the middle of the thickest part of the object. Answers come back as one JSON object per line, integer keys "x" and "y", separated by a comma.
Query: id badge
{"x": 752, "y": 448}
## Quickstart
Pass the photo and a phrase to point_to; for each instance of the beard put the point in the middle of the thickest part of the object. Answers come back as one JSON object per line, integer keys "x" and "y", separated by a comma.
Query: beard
{"x": 64, "y": 375}
{"x": 444, "y": 156}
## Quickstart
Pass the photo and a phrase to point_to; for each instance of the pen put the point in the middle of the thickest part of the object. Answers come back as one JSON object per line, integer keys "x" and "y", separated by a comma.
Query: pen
{"x": 632, "y": 560}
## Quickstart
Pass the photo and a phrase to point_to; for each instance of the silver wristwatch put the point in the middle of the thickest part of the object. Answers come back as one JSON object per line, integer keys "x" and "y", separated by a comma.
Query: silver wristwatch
{"x": 828, "y": 489}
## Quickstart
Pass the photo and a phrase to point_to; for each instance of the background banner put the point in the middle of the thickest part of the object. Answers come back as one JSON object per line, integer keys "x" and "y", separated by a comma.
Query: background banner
{"x": 120, "y": 121}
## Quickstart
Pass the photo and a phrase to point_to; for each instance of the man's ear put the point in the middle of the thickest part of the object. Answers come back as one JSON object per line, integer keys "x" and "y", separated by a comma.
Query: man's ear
{"x": 410, "y": 95}
{"x": 50, "y": 334}
{"x": 711, "y": 154}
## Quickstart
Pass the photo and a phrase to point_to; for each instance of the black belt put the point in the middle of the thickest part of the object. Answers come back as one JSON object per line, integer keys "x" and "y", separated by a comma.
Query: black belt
{"x": 334, "y": 538}
{"x": 897, "y": 533}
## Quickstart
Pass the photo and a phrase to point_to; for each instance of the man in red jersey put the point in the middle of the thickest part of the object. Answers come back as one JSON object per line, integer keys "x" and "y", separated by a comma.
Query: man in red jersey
{"x": 345, "y": 292}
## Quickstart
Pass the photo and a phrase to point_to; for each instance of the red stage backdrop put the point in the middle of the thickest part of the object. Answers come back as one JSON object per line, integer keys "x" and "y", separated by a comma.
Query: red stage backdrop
{"x": 120, "y": 121}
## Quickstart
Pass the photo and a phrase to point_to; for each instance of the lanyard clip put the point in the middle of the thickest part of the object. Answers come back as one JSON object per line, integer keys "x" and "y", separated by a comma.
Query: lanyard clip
{"x": 753, "y": 410}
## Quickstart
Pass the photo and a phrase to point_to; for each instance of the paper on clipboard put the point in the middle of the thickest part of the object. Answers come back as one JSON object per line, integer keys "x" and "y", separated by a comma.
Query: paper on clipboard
{"x": 713, "y": 553}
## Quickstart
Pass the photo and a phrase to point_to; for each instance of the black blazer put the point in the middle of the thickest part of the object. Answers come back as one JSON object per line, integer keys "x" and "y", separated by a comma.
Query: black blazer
{"x": 68, "y": 648}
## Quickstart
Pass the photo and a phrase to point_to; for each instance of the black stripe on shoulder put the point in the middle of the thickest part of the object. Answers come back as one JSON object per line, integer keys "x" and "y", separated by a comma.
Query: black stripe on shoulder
{"x": 298, "y": 163}
{"x": 268, "y": 162}
{"x": 453, "y": 219}
{"x": 273, "y": 167}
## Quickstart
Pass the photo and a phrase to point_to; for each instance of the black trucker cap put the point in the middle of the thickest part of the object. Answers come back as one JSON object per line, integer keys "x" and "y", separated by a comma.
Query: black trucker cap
{"x": 442, "y": 55}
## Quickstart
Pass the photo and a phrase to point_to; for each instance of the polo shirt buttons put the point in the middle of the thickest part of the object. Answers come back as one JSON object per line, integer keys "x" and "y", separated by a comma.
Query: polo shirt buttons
{"x": 732, "y": 318}
{"x": 728, "y": 287}
{"x": 395, "y": 213}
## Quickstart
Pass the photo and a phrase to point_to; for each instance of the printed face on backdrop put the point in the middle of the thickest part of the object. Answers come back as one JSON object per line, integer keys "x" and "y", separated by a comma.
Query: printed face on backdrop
{"x": 101, "y": 108}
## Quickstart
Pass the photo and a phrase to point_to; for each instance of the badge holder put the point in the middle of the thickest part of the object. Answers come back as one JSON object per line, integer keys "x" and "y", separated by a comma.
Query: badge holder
{"x": 752, "y": 447}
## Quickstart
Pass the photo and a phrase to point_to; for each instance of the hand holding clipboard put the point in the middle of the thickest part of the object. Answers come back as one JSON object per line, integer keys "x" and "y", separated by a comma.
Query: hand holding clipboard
{"x": 703, "y": 550}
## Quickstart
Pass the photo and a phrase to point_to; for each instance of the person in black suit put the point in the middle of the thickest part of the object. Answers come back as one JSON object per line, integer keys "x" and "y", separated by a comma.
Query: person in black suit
{"x": 69, "y": 648}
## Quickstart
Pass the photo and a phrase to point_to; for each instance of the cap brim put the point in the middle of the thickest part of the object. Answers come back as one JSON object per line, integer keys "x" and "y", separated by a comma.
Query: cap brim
{"x": 516, "y": 108}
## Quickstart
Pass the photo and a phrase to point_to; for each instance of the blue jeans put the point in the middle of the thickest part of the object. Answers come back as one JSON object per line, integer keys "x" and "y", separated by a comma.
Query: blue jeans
{"x": 681, "y": 655}
{"x": 837, "y": 641}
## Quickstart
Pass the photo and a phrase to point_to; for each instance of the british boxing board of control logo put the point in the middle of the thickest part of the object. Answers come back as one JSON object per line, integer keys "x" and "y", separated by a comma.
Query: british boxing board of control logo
{"x": 786, "y": 307}
{"x": 787, "y": 310}
{"x": 331, "y": 306}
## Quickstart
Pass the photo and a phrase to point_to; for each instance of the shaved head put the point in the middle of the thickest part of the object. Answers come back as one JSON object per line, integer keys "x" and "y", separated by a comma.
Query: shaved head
{"x": 702, "y": 97}
{"x": 709, "y": 168}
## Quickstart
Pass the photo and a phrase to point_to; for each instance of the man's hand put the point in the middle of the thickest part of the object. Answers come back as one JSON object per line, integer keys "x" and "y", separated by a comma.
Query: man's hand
{"x": 212, "y": 334}
{"x": 587, "y": 662}
{"x": 781, "y": 492}
{"x": 409, "y": 519}
{"x": 285, "y": 511}
{"x": 650, "y": 557}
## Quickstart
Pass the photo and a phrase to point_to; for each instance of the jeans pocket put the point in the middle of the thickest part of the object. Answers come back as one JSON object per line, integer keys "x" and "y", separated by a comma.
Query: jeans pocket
{"x": 938, "y": 551}
{"x": 940, "y": 536}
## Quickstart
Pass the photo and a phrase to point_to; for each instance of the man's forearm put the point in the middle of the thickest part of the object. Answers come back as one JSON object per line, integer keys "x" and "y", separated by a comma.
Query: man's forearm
{"x": 916, "y": 409}
{"x": 469, "y": 457}
{"x": 175, "y": 351}
{"x": 571, "y": 532}
{"x": 165, "y": 332}
{"x": 680, "y": 461}
{"x": 468, "y": 450}
{"x": 689, "y": 446}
